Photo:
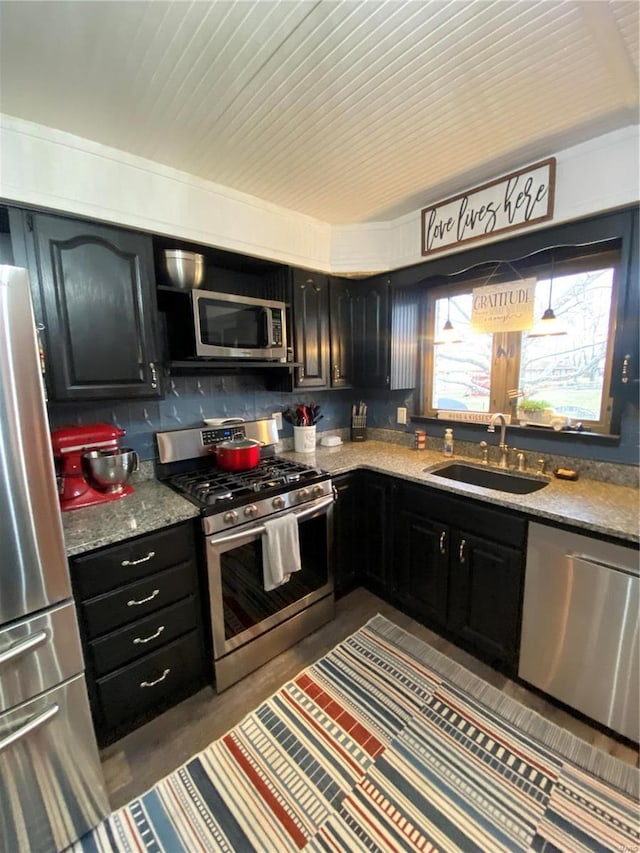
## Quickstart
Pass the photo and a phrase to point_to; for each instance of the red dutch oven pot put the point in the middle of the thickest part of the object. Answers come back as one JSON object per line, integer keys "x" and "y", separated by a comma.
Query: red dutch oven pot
{"x": 238, "y": 454}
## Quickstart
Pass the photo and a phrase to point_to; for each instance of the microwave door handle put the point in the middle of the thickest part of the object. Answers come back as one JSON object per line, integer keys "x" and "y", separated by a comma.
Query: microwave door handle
{"x": 259, "y": 530}
{"x": 268, "y": 335}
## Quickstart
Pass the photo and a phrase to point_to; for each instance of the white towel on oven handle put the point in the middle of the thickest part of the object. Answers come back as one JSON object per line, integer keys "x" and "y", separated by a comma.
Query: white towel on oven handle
{"x": 280, "y": 550}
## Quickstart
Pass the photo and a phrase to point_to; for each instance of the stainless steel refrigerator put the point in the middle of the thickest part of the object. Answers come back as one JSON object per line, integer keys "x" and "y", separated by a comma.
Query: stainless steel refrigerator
{"x": 51, "y": 784}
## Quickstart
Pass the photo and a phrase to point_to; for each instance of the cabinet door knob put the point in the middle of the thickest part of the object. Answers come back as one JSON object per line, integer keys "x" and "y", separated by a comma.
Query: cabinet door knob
{"x": 133, "y": 603}
{"x": 443, "y": 542}
{"x": 461, "y": 556}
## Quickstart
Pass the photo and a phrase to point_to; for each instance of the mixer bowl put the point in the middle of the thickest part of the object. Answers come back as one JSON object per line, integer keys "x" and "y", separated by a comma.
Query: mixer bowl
{"x": 185, "y": 269}
{"x": 109, "y": 470}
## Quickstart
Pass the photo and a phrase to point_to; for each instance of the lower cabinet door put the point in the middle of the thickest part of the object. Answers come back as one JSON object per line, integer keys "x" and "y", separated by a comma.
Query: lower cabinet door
{"x": 52, "y": 790}
{"x": 150, "y": 681}
{"x": 422, "y": 571}
{"x": 485, "y": 596}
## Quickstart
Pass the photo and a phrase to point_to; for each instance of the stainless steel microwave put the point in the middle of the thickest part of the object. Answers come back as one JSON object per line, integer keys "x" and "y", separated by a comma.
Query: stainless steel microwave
{"x": 204, "y": 324}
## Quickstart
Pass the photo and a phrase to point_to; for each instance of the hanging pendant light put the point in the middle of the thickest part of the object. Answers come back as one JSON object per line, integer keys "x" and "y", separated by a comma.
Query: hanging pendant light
{"x": 548, "y": 323}
{"x": 448, "y": 334}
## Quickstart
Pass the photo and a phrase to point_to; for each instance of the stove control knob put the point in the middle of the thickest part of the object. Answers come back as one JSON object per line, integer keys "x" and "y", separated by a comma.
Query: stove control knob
{"x": 303, "y": 495}
{"x": 230, "y": 517}
{"x": 250, "y": 510}
{"x": 278, "y": 503}
{"x": 317, "y": 491}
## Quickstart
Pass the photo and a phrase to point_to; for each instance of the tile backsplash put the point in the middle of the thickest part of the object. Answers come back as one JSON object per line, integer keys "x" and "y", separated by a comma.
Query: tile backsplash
{"x": 190, "y": 399}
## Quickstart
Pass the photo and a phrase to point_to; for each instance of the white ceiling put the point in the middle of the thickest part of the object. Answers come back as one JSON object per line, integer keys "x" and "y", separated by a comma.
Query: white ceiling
{"x": 345, "y": 111}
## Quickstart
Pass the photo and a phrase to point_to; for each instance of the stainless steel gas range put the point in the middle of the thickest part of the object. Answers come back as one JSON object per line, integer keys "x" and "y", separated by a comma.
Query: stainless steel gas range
{"x": 249, "y": 624}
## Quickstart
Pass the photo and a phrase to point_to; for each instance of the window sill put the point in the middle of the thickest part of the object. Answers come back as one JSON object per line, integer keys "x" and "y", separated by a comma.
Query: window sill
{"x": 545, "y": 434}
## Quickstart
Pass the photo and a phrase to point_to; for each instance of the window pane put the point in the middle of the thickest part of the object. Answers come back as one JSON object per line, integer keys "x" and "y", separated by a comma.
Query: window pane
{"x": 568, "y": 371}
{"x": 461, "y": 371}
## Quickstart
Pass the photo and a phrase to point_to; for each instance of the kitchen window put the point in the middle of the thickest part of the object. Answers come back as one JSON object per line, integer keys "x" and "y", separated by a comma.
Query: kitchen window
{"x": 480, "y": 373}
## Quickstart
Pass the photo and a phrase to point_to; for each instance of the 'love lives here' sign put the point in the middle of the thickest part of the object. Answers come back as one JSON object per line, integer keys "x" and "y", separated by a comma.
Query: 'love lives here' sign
{"x": 511, "y": 202}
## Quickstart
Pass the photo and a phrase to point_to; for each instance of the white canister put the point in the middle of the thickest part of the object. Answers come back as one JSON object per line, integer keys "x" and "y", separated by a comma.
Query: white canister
{"x": 304, "y": 439}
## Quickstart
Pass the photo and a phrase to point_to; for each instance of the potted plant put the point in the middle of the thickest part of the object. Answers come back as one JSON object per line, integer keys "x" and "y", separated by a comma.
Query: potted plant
{"x": 535, "y": 411}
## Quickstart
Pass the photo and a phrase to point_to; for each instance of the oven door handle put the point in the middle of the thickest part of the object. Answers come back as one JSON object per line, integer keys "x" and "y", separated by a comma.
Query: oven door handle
{"x": 257, "y": 531}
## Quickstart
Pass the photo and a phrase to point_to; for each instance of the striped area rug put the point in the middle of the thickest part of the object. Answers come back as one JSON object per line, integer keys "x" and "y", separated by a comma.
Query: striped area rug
{"x": 385, "y": 744}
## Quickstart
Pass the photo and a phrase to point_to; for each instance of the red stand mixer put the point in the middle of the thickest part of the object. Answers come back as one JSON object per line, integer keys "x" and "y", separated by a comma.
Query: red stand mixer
{"x": 91, "y": 467}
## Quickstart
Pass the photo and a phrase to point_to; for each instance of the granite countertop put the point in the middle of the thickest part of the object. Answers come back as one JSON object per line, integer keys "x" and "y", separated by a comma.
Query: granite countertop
{"x": 596, "y": 506}
{"x": 592, "y": 505}
{"x": 150, "y": 507}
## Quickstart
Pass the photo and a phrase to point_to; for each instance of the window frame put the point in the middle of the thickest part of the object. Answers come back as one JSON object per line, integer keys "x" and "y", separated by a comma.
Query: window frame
{"x": 505, "y": 372}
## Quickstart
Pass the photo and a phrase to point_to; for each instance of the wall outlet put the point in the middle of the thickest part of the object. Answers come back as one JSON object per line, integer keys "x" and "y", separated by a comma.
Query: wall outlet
{"x": 402, "y": 415}
{"x": 277, "y": 416}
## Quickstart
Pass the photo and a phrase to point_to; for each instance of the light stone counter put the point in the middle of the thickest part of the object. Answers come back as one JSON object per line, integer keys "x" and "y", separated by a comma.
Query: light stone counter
{"x": 593, "y": 505}
{"x": 150, "y": 507}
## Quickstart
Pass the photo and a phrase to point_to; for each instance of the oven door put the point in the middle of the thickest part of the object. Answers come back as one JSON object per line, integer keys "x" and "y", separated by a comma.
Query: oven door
{"x": 241, "y": 608}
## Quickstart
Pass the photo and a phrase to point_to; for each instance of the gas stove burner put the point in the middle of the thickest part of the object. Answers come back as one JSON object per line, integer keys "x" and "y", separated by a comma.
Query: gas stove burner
{"x": 214, "y": 490}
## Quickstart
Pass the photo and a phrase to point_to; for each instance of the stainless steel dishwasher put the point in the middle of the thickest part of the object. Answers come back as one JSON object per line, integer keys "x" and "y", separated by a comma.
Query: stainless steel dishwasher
{"x": 580, "y": 625}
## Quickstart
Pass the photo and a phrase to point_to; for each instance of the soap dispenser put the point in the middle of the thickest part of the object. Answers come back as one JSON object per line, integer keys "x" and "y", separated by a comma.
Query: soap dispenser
{"x": 448, "y": 442}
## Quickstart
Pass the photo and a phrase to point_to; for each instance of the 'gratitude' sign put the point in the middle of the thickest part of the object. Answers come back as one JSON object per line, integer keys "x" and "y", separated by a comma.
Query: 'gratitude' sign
{"x": 508, "y": 203}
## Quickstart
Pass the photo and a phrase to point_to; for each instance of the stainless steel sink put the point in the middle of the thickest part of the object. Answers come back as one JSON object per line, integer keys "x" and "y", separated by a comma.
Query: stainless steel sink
{"x": 489, "y": 478}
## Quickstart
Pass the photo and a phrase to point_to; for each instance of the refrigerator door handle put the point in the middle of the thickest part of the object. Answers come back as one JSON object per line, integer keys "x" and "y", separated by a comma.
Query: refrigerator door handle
{"x": 34, "y": 723}
{"x": 23, "y": 646}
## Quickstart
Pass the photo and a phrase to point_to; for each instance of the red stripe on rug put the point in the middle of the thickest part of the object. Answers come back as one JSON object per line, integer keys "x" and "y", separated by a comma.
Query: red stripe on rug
{"x": 170, "y": 791}
{"x": 133, "y": 829}
{"x": 325, "y": 735}
{"x": 298, "y": 837}
{"x": 375, "y": 828}
{"x": 340, "y": 715}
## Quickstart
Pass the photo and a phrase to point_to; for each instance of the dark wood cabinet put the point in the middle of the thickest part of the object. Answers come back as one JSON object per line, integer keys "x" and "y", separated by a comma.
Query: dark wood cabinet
{"x": 460, "y": 569}
{"x": 311, "y": 329}
{"x": 345, "y": 535}
{"x": 421, "y": 575}
{"x": 485, "y": 596}
{"x": 140, "y": 616}
{"x": 372, "y": 369}
{"x": 376, "y": 496}
{"x": 96, "y": 297}
{"x": 343, "y": 331}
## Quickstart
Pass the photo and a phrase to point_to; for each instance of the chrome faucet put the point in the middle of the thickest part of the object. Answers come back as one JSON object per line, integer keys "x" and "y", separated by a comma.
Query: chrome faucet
{"x": 504, "y": 450}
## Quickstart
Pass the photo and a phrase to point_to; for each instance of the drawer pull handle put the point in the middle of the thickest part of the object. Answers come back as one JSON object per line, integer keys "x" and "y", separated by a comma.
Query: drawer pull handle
{"x": 461, "y": 551}
{"x": 151, "y": 637}
{"x": 23, "y": 646}
{"x": 157, "y": 681}
{"x": 137, "y": 562}
{"x": 30, "y": 726}
{"x": 443, "y": 540}
{"x": 133, "y": 603}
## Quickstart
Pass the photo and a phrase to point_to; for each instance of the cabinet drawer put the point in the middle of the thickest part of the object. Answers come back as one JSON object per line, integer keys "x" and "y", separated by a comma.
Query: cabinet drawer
{"x": 136, "y": 558}
{"x": 143, "y": 636}
{"x": 150, "y": 681}
{"x": 131, "y": 602}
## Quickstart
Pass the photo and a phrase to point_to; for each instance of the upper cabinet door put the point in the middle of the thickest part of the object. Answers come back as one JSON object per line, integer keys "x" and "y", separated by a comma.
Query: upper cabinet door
{"x": 342, "y": 300}
{"x": 373, "y": 321}
{"x": 97, "y": 293}
{"x": 311, "y": 329}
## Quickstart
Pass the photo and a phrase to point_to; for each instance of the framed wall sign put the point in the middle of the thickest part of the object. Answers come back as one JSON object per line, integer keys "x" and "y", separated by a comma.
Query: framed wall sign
{"x": 509, "y": 203}
{"x": 504, "y": 307}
